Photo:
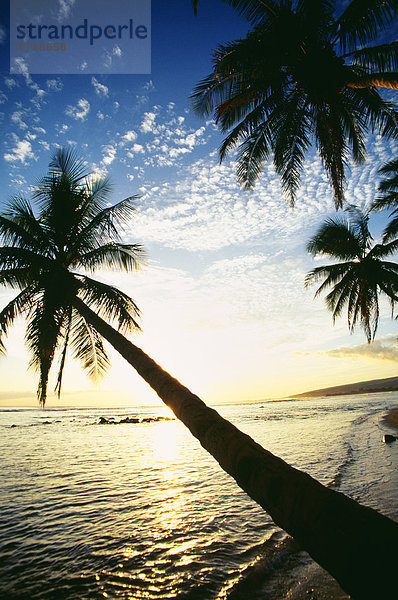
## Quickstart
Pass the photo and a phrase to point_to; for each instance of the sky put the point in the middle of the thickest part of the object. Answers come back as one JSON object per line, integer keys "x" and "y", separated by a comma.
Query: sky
{"x": 224, "y": 308}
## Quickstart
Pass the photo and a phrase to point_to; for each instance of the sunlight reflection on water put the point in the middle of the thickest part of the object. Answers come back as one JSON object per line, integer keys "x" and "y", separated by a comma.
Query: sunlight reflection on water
{"x": 91, "y": 511}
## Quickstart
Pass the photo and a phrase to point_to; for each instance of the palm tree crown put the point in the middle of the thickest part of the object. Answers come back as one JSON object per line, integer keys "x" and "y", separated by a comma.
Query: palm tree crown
{"x": 43, "y": 255}
{"x": 302, "y": 75}
{"x": 359, "y": 276}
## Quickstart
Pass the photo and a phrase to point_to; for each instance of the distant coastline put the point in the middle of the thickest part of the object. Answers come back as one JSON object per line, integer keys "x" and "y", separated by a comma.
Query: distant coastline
{"x": 389, "y": 384}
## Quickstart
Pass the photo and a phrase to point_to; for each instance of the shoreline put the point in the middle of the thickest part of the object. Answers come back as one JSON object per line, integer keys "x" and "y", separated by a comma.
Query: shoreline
{"x": 313, "y": 581}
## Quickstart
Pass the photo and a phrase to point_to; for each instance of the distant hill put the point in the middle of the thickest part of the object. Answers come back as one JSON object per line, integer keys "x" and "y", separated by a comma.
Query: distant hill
{"x": 390, "y": 384}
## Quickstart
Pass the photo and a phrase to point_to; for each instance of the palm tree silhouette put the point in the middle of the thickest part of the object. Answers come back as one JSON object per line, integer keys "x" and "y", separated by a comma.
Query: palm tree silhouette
{"x": 360, "y": 276}
{"x": 302, "y": 75}
{"x": 74, "y": 229}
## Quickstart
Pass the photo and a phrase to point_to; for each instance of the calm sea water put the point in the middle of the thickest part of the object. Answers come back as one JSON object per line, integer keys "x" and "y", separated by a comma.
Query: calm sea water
{"x": 139, "y": 510}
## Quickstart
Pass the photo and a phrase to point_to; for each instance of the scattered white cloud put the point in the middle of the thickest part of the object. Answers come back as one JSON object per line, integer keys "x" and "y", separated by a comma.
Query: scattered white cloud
{"x": 20, "y": 67}
{"x": 10, "y": 82}
{"x": 109, "y": 154}
{"x": 100, "y": 88}
{"x": 135, "y": 149}
{"x": 148, "y": 122}
{"x": 3, "y": 35}
{"x": 21, "y": 152}
{"x": 3, "y": 98}
{"x": 128, "y": 137}
{"x": 16, "y": 118}
{"x": 65, "y": 7}
{"x": 100, "y": 115}
{"x": 54, "y": 85}
{"x": 148, "y": 86}
{"x": 80, "y": 111}
{"x": 61, "y": 128}
{"x": 109, "y": 56}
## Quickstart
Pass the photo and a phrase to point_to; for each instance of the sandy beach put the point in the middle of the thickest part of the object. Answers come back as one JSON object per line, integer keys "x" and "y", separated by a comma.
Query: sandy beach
{"x": 392, "y": 417}
{"x": 315, "y": 583}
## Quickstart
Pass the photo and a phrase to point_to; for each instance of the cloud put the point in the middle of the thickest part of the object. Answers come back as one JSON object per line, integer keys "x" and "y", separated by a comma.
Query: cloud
{"x": 148, "y": 122}
{"x": 10, "y": 82}
{"x": 20, "y": 67}
{"x": 22, "y": 152}
{"x": 80, "y": 111}
{"x": 384, "y": 349}
{"x": 109, "y": 56}
{"x": 109, "y": 154}
{"x": 100, "y": 88}
{"x": 135, "y": 149}
{"x": 54, "y": 85}
{"x": 129, "y": 136}
{"x": 3, "y": 35}
{"x": 65, "y": 7}
{"x": 3, "y": 98}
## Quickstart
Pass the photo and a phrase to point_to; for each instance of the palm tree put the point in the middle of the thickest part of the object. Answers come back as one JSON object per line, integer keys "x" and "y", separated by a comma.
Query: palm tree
{"x": 361, "y": 274}
{"x": 73, "y": 230}
{"x": 301, "y": 76}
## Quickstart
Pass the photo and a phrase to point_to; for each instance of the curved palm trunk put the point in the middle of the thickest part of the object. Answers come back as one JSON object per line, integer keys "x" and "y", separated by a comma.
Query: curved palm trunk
{"x": 355, "y": 544}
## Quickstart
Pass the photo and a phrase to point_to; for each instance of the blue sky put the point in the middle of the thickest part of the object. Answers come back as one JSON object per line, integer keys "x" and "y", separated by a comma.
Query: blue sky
{"x": 222, "y": 296}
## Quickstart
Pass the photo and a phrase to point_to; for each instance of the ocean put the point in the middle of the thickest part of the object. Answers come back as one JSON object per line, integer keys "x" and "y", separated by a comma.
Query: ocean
{"x": 134, "y": 507}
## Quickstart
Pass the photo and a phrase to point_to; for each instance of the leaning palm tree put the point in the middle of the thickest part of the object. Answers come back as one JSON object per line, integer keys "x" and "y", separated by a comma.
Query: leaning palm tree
{"x": 362, "y": 273}
{"x": 44, "y": 254}
{"x": 302, "y": 75}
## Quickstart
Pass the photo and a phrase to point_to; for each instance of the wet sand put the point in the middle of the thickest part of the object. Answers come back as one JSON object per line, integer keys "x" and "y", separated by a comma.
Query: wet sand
{"x": 315, "y": 583}
{"x": 392, "y": 417}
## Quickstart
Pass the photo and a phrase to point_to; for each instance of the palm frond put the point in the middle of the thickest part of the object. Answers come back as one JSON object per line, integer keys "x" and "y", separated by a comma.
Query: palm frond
{"x": 88, "y": 348}
{"x": 22, "y": 258}
{"x": 391, "y": 232}
{"x": 253, "y": 153}
{"x": 104, "y": 227}
{"x": 255, "y": 10}
{"x": 66, "y": 335}
{"x": 339, "y": 296}
{"x": 110, "y": 302}
{"x": 19, "y": 306}
{"x": 66, "y": 162}
{"x": 332, "y": 149}
{"x": 19, "y": 227}
{"x": 335, "y": 238}
{"x": 388, "y": 187}
{"x": 362, "y": 20}
{"x": 292, "y": 143}
{"x": 114, "y": 256}
{"x": 381, "y": 58}
{"x": 330, "y": 274}
{"x": 42, "y": 334}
